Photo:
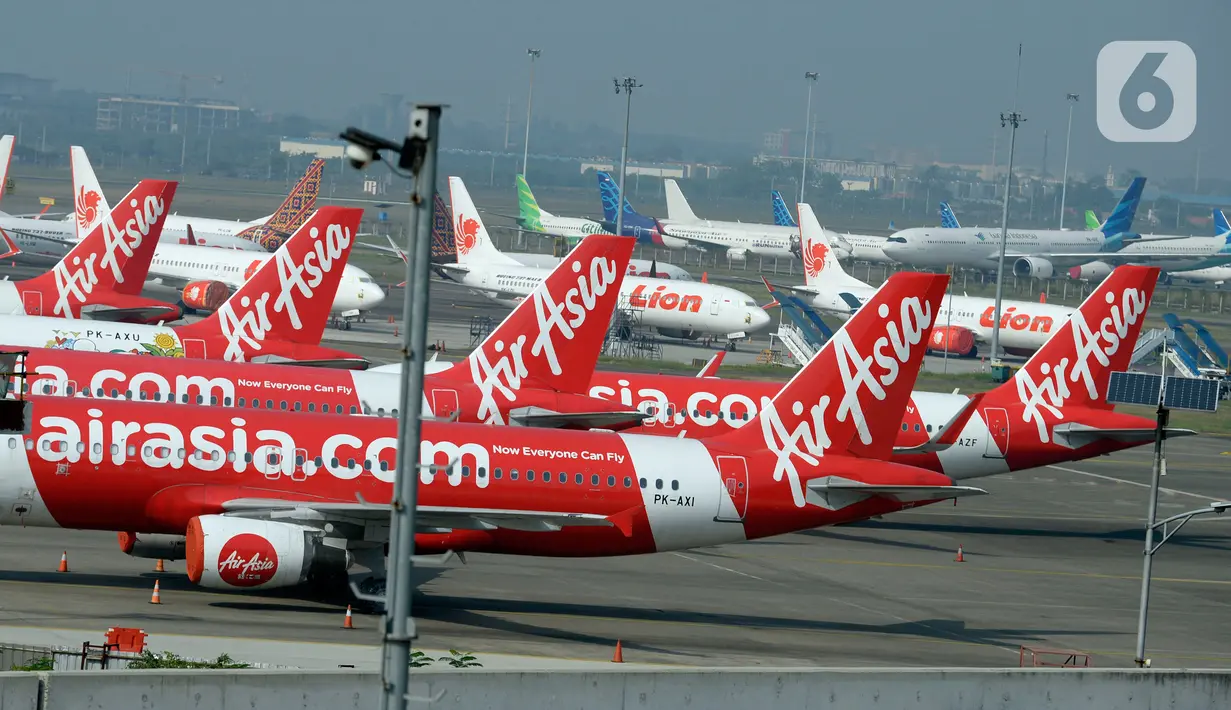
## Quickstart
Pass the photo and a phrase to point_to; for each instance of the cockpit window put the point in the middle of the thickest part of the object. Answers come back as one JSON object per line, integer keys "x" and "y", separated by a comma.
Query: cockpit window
{"x": 366, "y": 280}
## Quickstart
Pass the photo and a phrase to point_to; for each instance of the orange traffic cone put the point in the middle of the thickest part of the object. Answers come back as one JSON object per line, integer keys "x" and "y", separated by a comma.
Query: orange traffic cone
{"x": 64, "y": 562}
{"x": 619, "y": 653}
{"x": 156, "y": 598}
{"x": 348, "y": 624}
{"x": 960, "y": 557}
{"x": 159, "y": 567}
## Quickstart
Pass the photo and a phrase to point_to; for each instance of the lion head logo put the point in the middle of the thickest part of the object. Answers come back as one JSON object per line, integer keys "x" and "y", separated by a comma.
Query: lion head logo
{"x": 467, "y": 234}
{"x": 87, "y": 207}
{"x": 814, "y": 259}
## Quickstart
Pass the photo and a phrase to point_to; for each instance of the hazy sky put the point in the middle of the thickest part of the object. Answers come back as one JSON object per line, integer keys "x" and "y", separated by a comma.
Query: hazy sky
{"x": 893, "y": 73}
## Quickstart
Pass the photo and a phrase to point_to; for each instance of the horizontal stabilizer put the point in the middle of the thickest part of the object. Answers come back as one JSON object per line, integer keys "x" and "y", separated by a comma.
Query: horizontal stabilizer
{"x": 1075, "y": 435}
{"x": 431, "y": 517}
{"x": 339, "y": 363}
{"x": 139, "y": 314}
{"x": 835, "y": 493}
{"x": 547, "y": 419}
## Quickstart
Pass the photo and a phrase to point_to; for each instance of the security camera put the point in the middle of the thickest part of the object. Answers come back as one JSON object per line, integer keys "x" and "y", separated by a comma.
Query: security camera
{"x": 359, "y": 156}
{"x": 362, "y": 148}
{"x": 1220, "y": 507}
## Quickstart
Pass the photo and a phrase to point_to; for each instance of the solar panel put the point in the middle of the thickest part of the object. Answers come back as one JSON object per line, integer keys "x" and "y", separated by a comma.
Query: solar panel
{"x": 1134, "y": 388}
{"x": 1186, "y": 393}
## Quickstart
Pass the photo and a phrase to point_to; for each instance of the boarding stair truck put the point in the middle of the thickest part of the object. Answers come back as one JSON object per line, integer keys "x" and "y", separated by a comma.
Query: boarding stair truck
{"x": 1188, "y": 359}
{"x": 1209, "y": 346}
{"x": 806, "y": 332}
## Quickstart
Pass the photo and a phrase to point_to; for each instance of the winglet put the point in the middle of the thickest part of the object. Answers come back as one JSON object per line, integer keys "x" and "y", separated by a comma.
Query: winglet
{"x": 710, "y": 369}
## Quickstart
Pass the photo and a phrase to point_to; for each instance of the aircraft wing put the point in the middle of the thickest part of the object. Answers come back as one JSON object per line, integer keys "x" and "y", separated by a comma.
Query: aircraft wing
{"x": 946, "y": 435}
{"x": 501, "y": 214}
{"x": 337, "y": 363}
{"x": 428, "y": 518}
{"x": 835, "y": 492}
{"x": 542, "y": 418}
{"x": 378, "y": 247}
{"x": 1116, "y": 258}
{"x": 1074, "y": 435}
{"x": 140, "y": 314}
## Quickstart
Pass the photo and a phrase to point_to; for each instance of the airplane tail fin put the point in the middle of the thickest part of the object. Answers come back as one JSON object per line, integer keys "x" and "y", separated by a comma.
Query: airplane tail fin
{"x": 289, "y": 297}
{"x": 1074, "y": 366}
{"x": 1119, "y": 223}
{"x": 1221, "y": 226}
{"x": 1093, "y": 223}
{"x": 6, "y": 156}
{"x": 677, "y": 205}
{"x": 474, "y": 245}
{"x": 293, "y": 212}
{"x": 850, "y": 398}
{"x": 89, "y": 202}
{"x": 818, "y": 255}
{"x": 444, "y": 247}
{"x": 948, "y": 220}
{"x": 115, "y": 255}
{"x": 782, "y": 215}
{"x": 528, "y": 209}
{"x": 553, "y": 337}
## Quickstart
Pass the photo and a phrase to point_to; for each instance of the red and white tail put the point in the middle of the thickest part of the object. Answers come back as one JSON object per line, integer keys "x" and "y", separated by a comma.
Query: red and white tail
{"x": 289, "y": 297}
{"x": 6, "y": 154}
{"x": 554, "y": 336}
{"x": 473, "y": 243}
{"x": 89, "y": 202}
{"x": 851, "y": 397}
{"x": 1074, "y": 366}
{"x": 115, "y": 256}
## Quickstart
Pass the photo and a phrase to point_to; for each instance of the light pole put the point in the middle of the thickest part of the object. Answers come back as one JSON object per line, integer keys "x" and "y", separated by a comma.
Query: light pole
{"x": 627, "y": 84}
{"x": 1012, "y": 119}
{"x": 417, "y": 154}
{"x": 810, "y": 77}
{"x": 1064, "y": 186}
{"x": 525, "y": 158}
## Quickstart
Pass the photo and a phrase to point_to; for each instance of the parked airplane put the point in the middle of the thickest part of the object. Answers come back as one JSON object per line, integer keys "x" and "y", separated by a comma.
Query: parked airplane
{"x": 531, "y": 370}
{"x": 277, "y": 501}
{"x": 857, "y": 247}
{"x": 645, "y": 229}
{"x": 685, "y": 309}
{"x": 739, "y": 239}
{"x": 206, "y": 276}
{"x": 963, "y": 321}
{"x": 1199, "y": 259}
{"x": 275, "y": 316}
{"x": 1037, "y": 253}
{"x": 101, "y": 276}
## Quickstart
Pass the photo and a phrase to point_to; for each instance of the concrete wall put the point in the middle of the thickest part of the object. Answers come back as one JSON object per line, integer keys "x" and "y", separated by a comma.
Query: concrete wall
{"x": 830, "y": 689}
{"x": 19, "y": 691}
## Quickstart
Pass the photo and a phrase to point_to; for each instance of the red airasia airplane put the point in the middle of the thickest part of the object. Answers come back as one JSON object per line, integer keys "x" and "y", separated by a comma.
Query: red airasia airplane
{"x": 533, "y": 369}
{"x": 102, "y": 276}
{"x": 263, "y": 500}
{"x": 278, "y": 315}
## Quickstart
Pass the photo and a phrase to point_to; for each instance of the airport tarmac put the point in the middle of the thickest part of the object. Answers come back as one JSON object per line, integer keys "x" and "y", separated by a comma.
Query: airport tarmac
{"x": 1053, "y": 560}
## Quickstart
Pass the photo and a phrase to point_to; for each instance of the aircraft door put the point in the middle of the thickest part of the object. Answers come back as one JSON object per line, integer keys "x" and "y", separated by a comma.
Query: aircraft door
{"x": 714, "y": 305}
{"x": 733, "y": 498}
{"x": 998, "y": 428}
{"x": 194, "y": 347}
{"x": 33, "y": 302}
{"x": 444, "y": 404}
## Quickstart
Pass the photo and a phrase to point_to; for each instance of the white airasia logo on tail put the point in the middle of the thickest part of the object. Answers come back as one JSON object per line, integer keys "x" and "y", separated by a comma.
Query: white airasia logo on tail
{"x": 76, "y": 281}
{"x": 1049, "y": 394}
{"x": 248, "y": 330}
{"x": 505, "y": 375}
{"x": 809, "y": 440}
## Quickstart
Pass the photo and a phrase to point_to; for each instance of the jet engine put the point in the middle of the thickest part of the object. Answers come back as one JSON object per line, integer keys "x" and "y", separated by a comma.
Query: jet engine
{"x": 206, "y": 295}
{"x": 238, "y": 553}
{"x": 1033, "y": 267}
{"x": 958, "y": 341}
{"x": 737, "y": 255}
{"x": 1094, "y": 271}
{"x": 153, "y": 547}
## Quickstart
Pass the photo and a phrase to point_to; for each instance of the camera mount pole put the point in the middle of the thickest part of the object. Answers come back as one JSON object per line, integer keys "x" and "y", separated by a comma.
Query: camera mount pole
{"x": 399, "y": 626}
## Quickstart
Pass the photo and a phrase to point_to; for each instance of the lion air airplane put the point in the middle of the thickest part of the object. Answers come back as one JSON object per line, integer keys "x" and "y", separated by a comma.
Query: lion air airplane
{"x": 206, "y": 276}
{"x": 963, "y": 321}
{"x": 277, "y": 501}
{"x": 101, "y": 277}
{"x": 278, "y": 315}
{"x": 533, "y": 369}
{"x": 683, "y": 309}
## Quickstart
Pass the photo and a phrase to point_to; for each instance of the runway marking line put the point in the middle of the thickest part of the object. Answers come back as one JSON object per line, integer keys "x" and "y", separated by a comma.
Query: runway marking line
{"x": 1010, "y": 570}
{"x": 1139, "y": 484}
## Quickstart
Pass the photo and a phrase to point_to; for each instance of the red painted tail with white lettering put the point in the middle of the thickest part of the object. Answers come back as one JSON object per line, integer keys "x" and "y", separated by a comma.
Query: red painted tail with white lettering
{"x": 115, "y": 255}
{"x": 851, "y": 397}
{"x": 554, "y": 336}
{"x": 289, "y": 297}
{"x": 1074, "y": 366}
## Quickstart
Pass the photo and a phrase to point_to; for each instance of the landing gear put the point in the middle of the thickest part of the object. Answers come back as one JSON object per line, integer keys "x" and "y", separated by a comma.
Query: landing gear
{"x": 729, "y": 347}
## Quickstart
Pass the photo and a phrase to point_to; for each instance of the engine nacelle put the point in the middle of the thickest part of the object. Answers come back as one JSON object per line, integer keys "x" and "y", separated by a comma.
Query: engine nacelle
{"x": 153, "y": 547}
{"x": 738, "y": 255}
{"x": 1094, "y": 271}
{"x": 1033, "y": 267}
{"x": 238, "y": 553}
{"x": 206, "y": 295}
{"x": 957, "y": 341}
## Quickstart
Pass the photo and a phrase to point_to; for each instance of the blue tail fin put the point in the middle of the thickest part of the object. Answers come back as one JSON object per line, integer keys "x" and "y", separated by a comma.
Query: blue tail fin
{"x": 782, "y": 215}
{"x": 1120, "y": 223}
{"x": 610, "y": 193}
{"x": 1221, "y": 226}
{"x": 948, "y": 220}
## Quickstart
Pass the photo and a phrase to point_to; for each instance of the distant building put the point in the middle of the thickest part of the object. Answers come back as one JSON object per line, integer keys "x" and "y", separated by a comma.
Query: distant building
{"x": 150, "y": 115}
{"x": 22, "y": 87}
{"x": 324, "y": 148}
{"x": 675, "y": 171}
{"x": 777, "y": 142}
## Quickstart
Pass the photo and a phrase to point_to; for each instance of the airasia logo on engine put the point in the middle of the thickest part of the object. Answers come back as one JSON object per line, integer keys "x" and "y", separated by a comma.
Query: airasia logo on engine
{"x": 247, "y": 560}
